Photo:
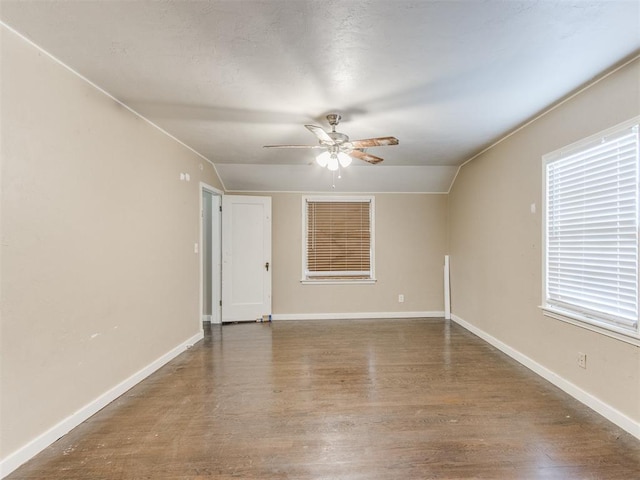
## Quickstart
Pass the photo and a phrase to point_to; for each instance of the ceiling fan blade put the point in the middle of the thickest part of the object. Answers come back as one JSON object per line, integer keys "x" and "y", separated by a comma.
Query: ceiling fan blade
{"x": 375, "y": 142}
{"x": 321, "y": 134}
{"x": 359, "y": 154}
{"x": 293, "y": 146}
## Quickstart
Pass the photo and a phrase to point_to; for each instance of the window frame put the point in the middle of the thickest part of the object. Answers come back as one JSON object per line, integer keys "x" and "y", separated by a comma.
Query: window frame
{"x": 315, "y": 280}
{"x": 596, "y": 323}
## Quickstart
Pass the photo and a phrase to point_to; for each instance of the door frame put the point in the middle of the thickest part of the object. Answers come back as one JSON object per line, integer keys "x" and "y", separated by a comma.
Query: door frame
{"x": 234, "y": 310}
{"x": 216, "y": 252}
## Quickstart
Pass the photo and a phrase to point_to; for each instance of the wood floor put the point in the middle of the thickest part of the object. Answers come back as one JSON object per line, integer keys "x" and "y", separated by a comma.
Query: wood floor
{"x": 342, "y": 400}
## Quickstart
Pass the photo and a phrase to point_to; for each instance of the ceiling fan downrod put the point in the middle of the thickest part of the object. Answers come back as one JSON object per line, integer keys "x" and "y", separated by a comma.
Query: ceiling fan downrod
{"x": 334, "y": 120}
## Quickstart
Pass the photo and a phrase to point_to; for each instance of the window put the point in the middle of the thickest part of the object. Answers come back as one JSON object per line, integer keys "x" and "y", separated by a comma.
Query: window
{"x": 591, "y": 231}
{"x": 338, "y": 239}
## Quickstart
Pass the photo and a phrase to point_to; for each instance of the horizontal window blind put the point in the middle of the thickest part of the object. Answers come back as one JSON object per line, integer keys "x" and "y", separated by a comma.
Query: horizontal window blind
{"x": 592, "y": 231}
{"x": 338, "y": 240}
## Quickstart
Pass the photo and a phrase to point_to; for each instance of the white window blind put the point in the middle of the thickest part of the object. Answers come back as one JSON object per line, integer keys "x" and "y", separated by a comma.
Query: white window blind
{"x": 592, "y": 231}
{"x": 338, "y": 239}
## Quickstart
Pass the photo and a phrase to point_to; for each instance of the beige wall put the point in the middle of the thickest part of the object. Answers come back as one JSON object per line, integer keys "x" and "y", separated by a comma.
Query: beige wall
{"x": 495, "y": 246}
{"x": 410, "y": 245}
{"x": 99, "y": 276}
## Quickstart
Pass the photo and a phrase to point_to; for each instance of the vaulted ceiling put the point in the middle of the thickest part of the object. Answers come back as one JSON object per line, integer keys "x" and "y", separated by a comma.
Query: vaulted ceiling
{"x": 447, "y": 78}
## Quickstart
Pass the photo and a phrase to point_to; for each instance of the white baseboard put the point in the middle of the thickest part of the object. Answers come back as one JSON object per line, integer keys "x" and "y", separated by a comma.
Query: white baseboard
{"x": 206, "y": 318}
{"x": 28, "y": 451}
{"x": 604, "y": 409}
{"x": 354, "y": 316}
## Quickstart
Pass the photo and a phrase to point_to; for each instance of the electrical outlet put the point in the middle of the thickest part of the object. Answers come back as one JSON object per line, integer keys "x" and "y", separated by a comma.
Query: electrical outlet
{"x": 582, "y": 360}
{"x": 401, "y": 298}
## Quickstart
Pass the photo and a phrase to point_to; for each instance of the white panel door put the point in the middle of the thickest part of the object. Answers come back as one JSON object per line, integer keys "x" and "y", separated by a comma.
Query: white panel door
{"x": 246, "y": 257}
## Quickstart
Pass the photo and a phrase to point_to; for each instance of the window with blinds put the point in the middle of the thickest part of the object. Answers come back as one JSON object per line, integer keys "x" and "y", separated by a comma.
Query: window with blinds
{"x": 591, "y": 229}
{"x": 338, "y": 238}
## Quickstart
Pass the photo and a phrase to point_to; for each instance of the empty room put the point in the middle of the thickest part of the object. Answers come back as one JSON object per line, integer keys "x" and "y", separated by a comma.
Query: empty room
{"x": 313, "y": 239}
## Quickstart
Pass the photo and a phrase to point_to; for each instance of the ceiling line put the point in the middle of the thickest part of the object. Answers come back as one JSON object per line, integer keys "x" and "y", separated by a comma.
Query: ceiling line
{"x": 634, "y": 56}
{"x": 341, "y": 193}
{"x": 104, "y": 92}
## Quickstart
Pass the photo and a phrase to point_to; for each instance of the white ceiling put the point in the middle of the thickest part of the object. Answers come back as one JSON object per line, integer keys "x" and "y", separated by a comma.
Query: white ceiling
{"x": 447, "y": 78}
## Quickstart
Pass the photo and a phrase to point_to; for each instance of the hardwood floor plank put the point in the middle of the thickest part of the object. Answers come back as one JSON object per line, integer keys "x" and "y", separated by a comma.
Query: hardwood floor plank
{"x": 357, "y": 399}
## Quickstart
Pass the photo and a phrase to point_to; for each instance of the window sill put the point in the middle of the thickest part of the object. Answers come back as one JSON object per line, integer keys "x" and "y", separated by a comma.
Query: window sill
{"x": 618, "y": 334}
{"x": 334, "y": 281}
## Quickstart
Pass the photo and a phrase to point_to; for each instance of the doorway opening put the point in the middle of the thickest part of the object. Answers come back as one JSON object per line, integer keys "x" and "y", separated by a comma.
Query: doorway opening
{"x": 211, "y": 257}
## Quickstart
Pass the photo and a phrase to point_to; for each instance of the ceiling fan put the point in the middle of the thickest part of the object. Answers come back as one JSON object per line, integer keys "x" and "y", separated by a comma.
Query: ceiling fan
{"x": 338, "y": 149}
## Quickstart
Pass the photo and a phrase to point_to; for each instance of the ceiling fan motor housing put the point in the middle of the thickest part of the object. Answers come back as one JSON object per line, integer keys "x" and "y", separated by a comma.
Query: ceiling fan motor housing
{"x": 334, "y": 119}
{"x": 338, "y": 138}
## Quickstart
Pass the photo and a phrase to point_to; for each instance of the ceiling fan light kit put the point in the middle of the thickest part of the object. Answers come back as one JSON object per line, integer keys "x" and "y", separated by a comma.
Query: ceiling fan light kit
{"x": 339, "y": 150}
{"x": 344, "y": 159}
{"x": 323, "y": 159}
{"x": 332, "y": 160}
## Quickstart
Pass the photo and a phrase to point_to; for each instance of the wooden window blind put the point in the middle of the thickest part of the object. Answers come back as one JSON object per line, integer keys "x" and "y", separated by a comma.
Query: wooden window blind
{"x": 338, "y": 240}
